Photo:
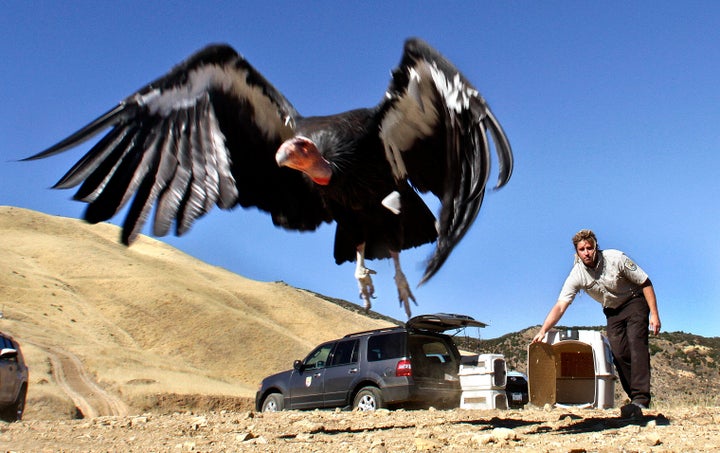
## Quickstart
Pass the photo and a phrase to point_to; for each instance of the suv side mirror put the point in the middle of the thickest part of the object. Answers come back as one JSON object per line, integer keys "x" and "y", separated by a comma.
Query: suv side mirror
{"x": 8, "y": 353}
{"x": 297, "y": 365}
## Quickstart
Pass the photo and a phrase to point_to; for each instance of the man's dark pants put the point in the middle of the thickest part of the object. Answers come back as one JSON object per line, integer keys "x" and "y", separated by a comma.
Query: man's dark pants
{"x": 627, "y": 331}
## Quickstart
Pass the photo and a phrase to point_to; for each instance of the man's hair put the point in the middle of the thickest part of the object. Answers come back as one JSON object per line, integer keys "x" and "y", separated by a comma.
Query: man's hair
{"x": 584, "y": 235}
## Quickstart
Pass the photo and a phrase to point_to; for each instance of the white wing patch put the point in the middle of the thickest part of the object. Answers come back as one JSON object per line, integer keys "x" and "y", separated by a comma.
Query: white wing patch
{"x": 414, "y": 116}
{"x": 457, "y": 95}
{"x": 232, "y": 81}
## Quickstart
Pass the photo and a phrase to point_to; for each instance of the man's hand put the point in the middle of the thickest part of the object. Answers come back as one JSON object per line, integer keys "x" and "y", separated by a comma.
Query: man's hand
{"x": 552, "y": 318}
{"x": 538, "y": 338}
{"x": 655, "y": 324}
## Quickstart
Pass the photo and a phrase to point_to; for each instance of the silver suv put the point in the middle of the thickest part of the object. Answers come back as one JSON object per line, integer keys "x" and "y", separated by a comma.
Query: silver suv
{"x": 13, "y": 380}
{"x": 415, "y": 364}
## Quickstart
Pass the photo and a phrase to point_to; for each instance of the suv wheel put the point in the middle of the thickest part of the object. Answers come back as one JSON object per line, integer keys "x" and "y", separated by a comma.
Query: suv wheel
{"x": 368, "y": 399}
{"x": 14, "y": 411}
{"x": 273, "y": 403}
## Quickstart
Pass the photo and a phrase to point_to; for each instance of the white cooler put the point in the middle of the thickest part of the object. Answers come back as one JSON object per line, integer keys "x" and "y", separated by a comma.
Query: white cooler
{"x": 484, "y": 399}
{"x": 483, "y": 384}
{"x": 489, "y": 374}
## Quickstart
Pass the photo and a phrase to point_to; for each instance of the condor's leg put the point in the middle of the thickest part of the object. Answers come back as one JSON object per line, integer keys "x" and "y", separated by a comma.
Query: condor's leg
{"x": 362, "y": 274}
{"x": 405, "y": 295}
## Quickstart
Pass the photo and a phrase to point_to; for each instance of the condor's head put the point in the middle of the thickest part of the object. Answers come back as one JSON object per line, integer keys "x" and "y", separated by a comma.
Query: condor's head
{"x": 300, "y": 153}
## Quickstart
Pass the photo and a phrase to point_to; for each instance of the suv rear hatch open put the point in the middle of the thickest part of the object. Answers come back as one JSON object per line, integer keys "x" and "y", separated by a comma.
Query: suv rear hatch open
{"x": 434, "y": 357}
{"x": 442, "y": 322}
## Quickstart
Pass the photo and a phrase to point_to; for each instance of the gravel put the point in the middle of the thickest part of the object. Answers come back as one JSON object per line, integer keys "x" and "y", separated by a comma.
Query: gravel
{"x": 461, "y": 430}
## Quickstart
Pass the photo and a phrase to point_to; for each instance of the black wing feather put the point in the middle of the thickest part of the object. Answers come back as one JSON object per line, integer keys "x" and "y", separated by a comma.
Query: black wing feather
{"x": 100, "y": 155}
{"x": 111, "y": 193}
{"x": 179, "y": 177}
{"x": 113, "y": 117}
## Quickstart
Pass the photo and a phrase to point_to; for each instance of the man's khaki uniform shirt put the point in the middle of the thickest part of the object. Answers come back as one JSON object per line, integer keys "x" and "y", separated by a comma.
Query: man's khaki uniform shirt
{"x": 614, "y": 280}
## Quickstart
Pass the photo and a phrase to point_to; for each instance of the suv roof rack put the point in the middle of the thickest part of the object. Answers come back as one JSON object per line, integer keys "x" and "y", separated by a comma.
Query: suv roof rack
{"x": 381, "y": 330}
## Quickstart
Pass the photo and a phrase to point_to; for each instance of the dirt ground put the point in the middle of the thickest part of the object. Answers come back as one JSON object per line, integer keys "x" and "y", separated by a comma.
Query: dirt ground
{"x": 537, "y": 430}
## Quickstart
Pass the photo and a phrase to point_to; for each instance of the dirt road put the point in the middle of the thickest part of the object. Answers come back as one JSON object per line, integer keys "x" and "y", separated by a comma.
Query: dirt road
{"x": 89, "y": 398}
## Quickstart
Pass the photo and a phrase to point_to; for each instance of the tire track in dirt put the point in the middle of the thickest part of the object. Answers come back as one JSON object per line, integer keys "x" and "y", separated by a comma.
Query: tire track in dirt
{"x": 90, "y": 399}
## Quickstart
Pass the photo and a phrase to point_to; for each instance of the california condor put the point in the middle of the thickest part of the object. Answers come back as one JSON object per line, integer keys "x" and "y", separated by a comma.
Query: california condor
{"x": 213, "y": 131}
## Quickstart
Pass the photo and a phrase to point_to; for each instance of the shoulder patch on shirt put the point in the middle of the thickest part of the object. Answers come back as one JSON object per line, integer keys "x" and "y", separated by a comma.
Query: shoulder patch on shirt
{"x": 630, "y": 265}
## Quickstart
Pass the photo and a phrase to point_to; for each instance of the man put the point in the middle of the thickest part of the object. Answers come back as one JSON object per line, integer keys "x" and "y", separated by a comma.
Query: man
{"x": 629, "y": 304}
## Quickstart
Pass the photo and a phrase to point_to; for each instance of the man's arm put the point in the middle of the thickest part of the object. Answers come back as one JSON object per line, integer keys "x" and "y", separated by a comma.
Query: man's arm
{"x": 649, "y": 293}
{"x": 556, "y": 312}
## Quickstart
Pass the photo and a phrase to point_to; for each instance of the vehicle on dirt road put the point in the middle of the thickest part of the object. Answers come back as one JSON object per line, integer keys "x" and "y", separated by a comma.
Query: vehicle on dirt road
{"x": 13, "y": 380}
{"x": 411, "y": 365}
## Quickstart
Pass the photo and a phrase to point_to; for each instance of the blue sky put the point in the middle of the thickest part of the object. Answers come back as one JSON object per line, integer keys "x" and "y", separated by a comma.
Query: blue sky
{"x": 611, "y": 109}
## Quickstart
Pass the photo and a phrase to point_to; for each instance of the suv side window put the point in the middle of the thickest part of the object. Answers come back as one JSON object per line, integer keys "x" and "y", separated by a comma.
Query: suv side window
{"x": 346, "y": 352}
{"x": 318, "y": 358}
{"x": 386, "y": 346}
{"x": 5, "y": 343}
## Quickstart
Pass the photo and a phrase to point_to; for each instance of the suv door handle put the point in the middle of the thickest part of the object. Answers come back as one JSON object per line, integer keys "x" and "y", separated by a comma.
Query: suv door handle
{"x": 352, "y": 370}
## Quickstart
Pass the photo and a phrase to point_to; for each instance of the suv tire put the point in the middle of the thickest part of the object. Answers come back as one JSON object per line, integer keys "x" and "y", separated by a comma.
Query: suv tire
{"x": 14, "y": 411}
{"x": 368, "y": 399}
{"x": 273, "y": 403}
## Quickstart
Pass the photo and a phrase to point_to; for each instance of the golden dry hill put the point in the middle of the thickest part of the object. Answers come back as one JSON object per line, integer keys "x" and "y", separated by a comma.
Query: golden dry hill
{"x": 148, "y": 322}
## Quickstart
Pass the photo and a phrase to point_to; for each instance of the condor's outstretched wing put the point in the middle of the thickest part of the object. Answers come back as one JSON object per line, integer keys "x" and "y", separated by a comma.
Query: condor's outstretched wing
{"x": 436, "y": 130}
{"x": 204, "y": 134}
